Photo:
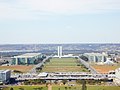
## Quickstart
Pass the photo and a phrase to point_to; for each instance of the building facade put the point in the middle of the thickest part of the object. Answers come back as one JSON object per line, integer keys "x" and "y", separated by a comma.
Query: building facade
{"x": 5, "y": 76}
{"x": 96, "y": 57}
{"x": 117, "y": 76}
{"x": 117, "y": 73}
{"x": 28, "y": 58}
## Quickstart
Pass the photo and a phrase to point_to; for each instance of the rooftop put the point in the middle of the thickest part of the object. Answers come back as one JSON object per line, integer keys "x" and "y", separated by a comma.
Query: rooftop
{"x": 96, "y": 54}
{"x": 4, "y": 71}
{"x": 44, "y": 74}
{"x": 27, "y": 55}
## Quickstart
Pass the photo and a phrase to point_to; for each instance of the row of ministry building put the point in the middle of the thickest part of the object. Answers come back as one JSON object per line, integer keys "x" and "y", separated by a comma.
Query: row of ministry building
{"x": 28, "y": 58}
{"x": 96, "y": 57}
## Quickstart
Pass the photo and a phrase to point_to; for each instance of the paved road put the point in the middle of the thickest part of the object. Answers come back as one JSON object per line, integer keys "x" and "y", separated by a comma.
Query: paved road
{"x": 33, "y": 70}
{"x": 92, "y": 70}
{"x": 69, "y": 76}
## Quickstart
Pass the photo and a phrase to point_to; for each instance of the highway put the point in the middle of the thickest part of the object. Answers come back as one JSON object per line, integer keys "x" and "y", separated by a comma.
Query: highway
{"x": 87, "y": 65}
{"x": 33, "y": 70}
{"x": 67, "y": 76}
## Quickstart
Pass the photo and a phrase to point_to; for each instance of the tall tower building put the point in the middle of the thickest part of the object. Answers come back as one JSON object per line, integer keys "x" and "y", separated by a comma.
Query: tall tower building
{"x": 59, "y": 51}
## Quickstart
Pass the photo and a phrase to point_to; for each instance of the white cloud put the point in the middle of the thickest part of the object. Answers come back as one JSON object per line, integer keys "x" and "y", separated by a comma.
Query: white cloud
{"x": 72, "y": 6}
{"x": 26, "y": 9}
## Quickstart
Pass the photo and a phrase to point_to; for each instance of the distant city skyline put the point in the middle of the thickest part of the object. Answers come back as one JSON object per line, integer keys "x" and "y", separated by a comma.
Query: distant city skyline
{"x": 59, "y": 21}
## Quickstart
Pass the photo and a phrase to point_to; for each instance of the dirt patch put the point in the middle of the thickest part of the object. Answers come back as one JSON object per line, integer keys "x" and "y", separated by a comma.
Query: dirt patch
{"x": 21, "y": 68}
{"x": 105, "y": 68}
{"x": 49, "y": 87}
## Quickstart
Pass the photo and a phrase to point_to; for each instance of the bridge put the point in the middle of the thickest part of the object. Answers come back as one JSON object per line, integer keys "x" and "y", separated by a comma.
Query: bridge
{"x": 67, "y": 76}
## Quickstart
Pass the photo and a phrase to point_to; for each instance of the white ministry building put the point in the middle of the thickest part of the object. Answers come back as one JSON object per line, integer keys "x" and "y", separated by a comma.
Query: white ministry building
{"x": 117, "y": 75}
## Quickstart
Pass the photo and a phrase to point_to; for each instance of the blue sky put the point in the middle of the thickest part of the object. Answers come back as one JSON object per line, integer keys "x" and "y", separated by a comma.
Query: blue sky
{"x": 59, "y": 21}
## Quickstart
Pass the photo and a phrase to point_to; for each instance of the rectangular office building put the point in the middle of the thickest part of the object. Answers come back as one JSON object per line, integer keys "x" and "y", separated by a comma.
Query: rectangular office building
{"x": 5, "y": 76}
{"x": 96, "y": 57}
{"x": 26, "y": 59}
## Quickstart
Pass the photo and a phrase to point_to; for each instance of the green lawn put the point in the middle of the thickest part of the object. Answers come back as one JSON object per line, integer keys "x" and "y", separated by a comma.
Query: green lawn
{"x": 63, "y": 88}
{"x": 62, "y": 62}
{"x": 27, "y": 88}
{"x": 63, "y": 65}
{"x": 88, "y": 88}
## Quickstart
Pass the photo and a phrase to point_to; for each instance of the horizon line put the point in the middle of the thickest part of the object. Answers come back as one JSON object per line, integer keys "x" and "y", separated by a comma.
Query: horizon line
{"x": 62, "y": 43}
